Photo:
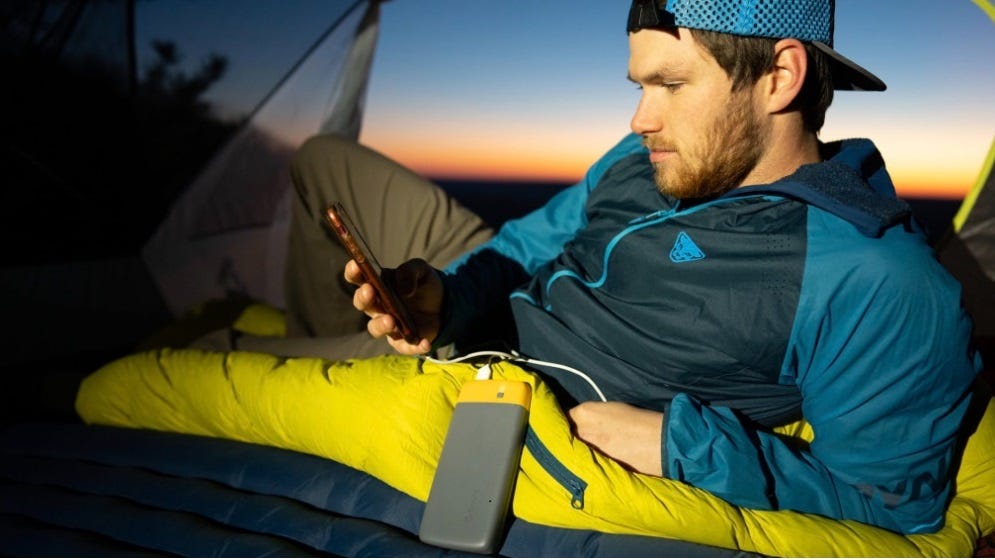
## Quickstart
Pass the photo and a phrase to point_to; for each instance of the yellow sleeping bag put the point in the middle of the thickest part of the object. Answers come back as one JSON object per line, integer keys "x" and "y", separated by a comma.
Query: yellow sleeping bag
{"x": 388, "y": 417}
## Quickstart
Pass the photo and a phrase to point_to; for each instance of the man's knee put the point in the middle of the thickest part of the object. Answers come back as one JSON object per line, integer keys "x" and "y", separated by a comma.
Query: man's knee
{"x": 314, "y": 166}
{"x": 320, "y": 148}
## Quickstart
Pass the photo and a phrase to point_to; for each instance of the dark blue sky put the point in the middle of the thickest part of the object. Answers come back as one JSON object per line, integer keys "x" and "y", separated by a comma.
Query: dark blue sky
{"x": 523, "y": 82}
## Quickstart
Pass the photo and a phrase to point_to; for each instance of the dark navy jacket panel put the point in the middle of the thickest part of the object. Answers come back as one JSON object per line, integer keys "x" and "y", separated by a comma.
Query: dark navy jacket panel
{"x": 657, "y": 299}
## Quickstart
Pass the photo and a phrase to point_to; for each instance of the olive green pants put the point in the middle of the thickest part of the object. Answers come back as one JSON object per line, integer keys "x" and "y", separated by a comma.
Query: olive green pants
{"x": 401, "y": 216}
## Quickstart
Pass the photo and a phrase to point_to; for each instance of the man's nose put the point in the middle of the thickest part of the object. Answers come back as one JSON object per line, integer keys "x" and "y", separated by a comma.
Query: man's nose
{"x": 647, "y": 118}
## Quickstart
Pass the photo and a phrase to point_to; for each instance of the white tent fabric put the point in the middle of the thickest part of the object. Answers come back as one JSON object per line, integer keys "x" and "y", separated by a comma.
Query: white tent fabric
{"x": 227, "y": 233}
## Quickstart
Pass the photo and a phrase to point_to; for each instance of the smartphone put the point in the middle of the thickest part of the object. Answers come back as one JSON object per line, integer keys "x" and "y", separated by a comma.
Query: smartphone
{"x": 374, "y": 274}
{"x": 471, "y": 493}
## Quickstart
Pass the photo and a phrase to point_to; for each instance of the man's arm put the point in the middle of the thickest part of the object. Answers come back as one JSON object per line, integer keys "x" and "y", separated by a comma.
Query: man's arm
{"x": 447, "y": 303}
{"x": 884, "y": 365}
{"x": 482, "y": 279}
{"x": 539, "y": 236}
{"x": 883, "y": 362}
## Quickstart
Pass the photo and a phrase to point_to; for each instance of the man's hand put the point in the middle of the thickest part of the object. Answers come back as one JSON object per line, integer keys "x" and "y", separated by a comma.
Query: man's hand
{"x": 623, "y": 432}
{"x": 420, "y": 289}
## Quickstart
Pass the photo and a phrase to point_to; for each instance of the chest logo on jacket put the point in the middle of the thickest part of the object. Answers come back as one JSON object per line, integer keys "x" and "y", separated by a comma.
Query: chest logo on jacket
{"x": 685, "y": 249}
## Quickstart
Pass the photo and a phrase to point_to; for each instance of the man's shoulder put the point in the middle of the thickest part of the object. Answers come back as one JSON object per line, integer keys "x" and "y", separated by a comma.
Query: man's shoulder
{"x": 631, "y": 143}
{"x": 900, "y": 259}
{"x": 619, "y": 157}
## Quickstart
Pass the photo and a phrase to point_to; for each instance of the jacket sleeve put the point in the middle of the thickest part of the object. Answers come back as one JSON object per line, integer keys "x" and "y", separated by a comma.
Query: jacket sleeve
{"x": 883, "y": 361}
{"x": 483, "y": 278}
{"x": 538, "y": 237}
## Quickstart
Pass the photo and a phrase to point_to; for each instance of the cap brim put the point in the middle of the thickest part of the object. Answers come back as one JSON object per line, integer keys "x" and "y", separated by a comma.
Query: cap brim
{"x": 848, "y": 75}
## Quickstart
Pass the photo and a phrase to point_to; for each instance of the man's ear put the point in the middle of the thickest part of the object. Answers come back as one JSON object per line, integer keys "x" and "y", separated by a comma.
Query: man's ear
{"x": 786, "y": 77}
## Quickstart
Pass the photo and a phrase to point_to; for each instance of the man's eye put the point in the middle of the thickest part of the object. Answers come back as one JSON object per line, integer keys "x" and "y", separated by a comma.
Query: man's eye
{"x": 673, "y": 87}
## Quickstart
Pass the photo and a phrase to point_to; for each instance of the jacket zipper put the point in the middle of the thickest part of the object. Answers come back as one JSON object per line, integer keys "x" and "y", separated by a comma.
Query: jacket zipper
{"x": 654, "y": 215}
{"x": 568, "y": 480}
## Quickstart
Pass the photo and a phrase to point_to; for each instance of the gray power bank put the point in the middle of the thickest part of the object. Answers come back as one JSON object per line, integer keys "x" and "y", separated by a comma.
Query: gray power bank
{"x": 471, "y": 492}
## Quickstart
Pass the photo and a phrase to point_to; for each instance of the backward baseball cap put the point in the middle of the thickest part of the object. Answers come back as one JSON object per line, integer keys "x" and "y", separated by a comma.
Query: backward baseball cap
{"x": 810, "y": 21}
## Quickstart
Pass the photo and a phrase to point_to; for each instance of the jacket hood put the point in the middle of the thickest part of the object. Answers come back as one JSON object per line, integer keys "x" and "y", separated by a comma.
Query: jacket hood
{"x": 852, "y": 184}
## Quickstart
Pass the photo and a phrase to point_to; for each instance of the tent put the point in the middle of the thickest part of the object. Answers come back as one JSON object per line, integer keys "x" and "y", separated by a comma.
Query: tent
{"x": 967, "y": 249}
{"x": 132, "y": 201}
{"x": 230, "y": 224}
{"x": 968, "y": 252}
{"x": 126, "y": 220}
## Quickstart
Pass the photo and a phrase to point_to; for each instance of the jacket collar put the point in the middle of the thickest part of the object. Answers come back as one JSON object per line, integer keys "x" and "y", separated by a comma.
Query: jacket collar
{"x": 852, "y": 183}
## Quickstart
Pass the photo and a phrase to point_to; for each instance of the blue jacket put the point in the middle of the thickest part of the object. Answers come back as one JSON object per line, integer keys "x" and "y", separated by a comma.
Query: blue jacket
{"x": 812, "y": 297}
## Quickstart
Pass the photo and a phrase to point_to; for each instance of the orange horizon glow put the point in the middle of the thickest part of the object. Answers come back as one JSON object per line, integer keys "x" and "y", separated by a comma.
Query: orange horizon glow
{"x": 513, "y": 153}
{"x": 916, "y": 175}
{"x": 491, "y": 167}
{"x": 946, "y": 188}
{"x": 449, "y": 163}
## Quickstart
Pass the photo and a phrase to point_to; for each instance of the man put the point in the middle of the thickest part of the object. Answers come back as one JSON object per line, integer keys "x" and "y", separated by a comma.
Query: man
{"x": 719, "y": 272}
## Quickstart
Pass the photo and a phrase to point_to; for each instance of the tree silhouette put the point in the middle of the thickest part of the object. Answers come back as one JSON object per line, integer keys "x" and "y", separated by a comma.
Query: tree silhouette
{"x": 92, "y": 158}
{"x": 177, "y": 128}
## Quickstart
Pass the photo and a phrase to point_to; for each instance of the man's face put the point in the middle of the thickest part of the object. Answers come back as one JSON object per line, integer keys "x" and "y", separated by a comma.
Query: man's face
{"x": 703, "y": 138}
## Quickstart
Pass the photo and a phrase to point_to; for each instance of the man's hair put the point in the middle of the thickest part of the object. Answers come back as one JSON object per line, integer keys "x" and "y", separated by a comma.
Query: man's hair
{"x": 746, "y": 59}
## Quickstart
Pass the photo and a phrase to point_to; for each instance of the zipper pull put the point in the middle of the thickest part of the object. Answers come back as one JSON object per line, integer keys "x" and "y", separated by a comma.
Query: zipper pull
{"x": 654, "y": 215}
{"x": 576, "y": 495}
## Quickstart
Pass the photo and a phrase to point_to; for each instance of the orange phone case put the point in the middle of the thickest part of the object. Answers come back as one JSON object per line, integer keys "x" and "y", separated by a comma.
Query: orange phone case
{"x": 353, "y": 241}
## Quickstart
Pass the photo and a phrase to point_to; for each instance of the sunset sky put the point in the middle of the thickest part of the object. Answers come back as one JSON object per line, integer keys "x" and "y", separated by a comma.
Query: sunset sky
{"x": 537, "y": 90}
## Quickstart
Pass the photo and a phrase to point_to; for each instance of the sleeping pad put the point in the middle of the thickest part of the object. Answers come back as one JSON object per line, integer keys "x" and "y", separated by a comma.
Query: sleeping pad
{"x": 388, "y": 416}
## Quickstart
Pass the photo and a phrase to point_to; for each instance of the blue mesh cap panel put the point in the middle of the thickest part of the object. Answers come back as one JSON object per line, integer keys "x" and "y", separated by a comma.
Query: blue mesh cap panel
{"x": 806, "y": 20}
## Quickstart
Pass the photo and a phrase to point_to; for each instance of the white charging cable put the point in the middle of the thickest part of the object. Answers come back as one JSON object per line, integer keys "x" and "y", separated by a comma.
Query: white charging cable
{"x": 484, "y": 371}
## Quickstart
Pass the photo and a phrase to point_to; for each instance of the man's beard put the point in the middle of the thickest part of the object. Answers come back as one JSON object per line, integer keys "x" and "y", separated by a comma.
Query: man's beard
{"x": 731, "y": 149}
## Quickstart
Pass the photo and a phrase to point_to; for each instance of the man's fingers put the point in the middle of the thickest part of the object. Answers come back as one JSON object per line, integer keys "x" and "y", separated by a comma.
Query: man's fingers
{"x": 352, "y": 273}
{"x": 413, "y": 273}
{"x": 365, "y": 300}
{"x": 382, "y": 325}
{"x": 404, "y": 347}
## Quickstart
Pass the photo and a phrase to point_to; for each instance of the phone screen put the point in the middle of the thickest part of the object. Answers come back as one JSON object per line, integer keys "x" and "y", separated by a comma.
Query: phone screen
{"x": 352, "y": 239}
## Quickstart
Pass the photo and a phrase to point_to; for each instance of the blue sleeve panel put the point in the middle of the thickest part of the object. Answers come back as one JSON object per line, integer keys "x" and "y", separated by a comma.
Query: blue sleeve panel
{"x": 538, "y": 237}
{"x": 483, "y": 278}
{"x": 880, "y": 352}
